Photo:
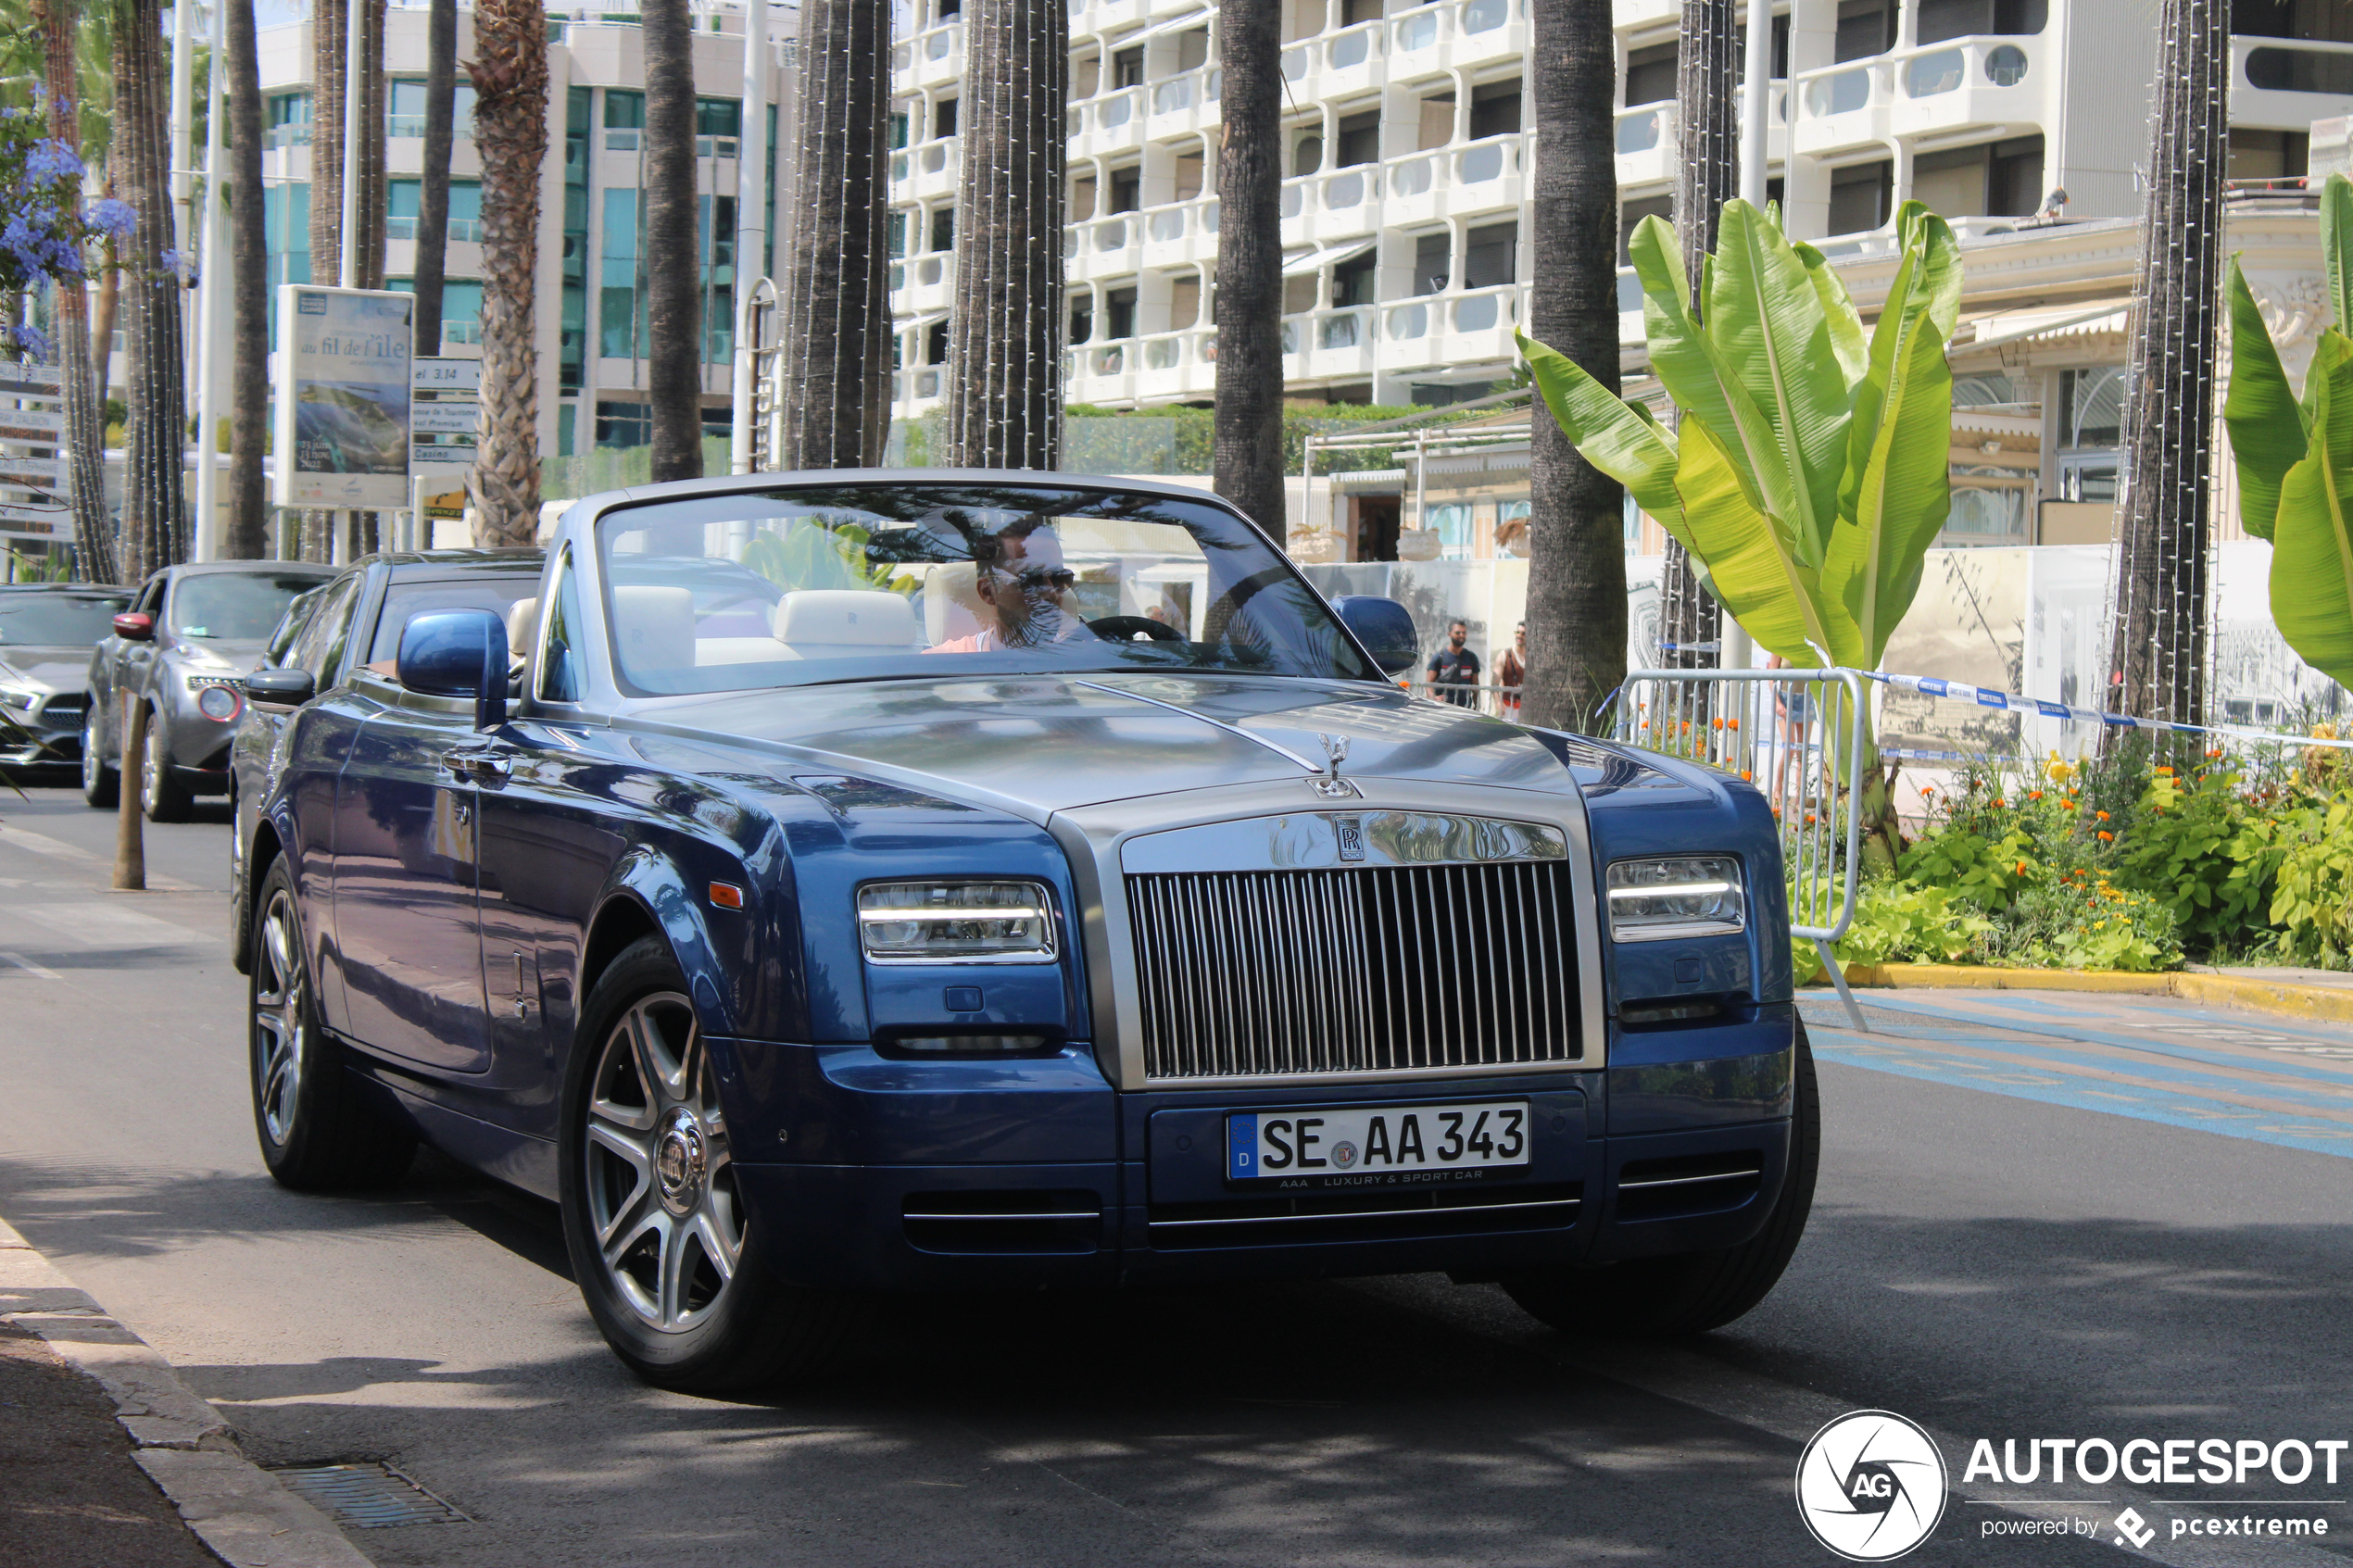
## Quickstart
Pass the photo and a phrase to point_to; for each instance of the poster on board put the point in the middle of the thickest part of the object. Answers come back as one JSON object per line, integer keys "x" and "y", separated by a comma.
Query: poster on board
{"x": 343, "y": 397}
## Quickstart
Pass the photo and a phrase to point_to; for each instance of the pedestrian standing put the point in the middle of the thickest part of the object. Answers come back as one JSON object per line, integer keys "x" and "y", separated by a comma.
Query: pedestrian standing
{"x": 1511, "y": 671}
{"x": 1454, "y": 669}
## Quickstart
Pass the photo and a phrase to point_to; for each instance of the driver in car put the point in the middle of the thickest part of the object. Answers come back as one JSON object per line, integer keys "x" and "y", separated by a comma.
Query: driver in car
{"x": 1020, "y": 575}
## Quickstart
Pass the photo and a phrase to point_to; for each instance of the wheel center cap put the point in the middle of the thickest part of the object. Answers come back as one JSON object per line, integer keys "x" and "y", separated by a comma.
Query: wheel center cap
{"x": 681, "y": 1161}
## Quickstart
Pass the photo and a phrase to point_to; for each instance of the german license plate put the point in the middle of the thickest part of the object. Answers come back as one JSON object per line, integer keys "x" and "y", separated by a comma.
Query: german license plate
{"x": 1359, "y": 1144}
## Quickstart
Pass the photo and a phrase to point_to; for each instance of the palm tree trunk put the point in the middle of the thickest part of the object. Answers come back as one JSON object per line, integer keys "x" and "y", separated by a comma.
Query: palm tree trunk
{"x": 106, "y": 317}
{"x": 373, "y": 198}
{"x": 328, "y": 59}
{"x": 1577, "y": 557}
{"x": 432, "y": 200}
{"x": 2160, "y": 597}
{"x": 154, "y": 514}
{"x": 835, "y": 301}
{"x": 510, "y": 73}
{"x": 248, "y": 534}
{"x": 84, "y": 449}
{"x": 1247, "y": 429}
{"x": 1706, "y": 72}
{"x": 674, "y": 288}
{"x": 1004, "y": 341}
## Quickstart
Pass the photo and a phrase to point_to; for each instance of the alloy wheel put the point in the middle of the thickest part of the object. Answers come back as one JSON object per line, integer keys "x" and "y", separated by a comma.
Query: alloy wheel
{"x": 93, "y": 767}
{"x": 151, "y": 774}
{"x": 662, "y": 1201}
{"x": 279, "y": 1036}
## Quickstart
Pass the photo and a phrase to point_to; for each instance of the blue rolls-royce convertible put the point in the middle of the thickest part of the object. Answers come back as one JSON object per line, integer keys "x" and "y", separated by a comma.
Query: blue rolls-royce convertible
{"x": 945, "y": 881}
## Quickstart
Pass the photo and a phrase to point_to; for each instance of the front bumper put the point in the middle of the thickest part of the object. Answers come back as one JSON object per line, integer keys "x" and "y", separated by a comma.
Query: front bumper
{"x": 897, "y": 1188}
{"x": 46, "y": 739}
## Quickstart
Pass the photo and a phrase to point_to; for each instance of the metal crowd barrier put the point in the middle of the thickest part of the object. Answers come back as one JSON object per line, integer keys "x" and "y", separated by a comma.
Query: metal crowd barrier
{"x": 1784, "y": 730}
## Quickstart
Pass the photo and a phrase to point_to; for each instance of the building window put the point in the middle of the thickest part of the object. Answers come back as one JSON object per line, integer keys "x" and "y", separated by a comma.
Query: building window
{"x": 1128, "y": 188}
{"x": 1119, "y": 313}
{"x": 1437, "y": 125}
{"x": 943, "y": 228}
{"x": 1359, "y": 140}
{"x": 1650, "y": 75}
{"x": 1433, "y": 262}
{"x": 1082, "y": 198}
{"x": 1495, "y": 110}
{"x": 618, "y": 329}
{"x": 1192, "y": 48}
{"x": 1184, "y": 303}
{"x": 625, "y": 424}
{"x": 1127, "y": 68}
{"x": 1086, "y": 77}
{"x": 1941, "y": 20}
{"x": 461, "y": 306}
{"x": 943, "y": 118}
{"x": 2269, "y": 154}
{"x": 1491, "y": 257}
{"x": 1452, "y": 523}
{"x": 625, "y": 110}
{"x": 1865, "y": 28}
{"x": 1993, "y": 179}
{"x": 897, "y": 236}
{"x": 936, "y": 344}
{"x": 404, "y": 203}
{"x": 1307, "y": 153}
{"x": 1082, "y": 318}
{"x": 405, "y": 109}
{"x": 1352, "y": 279}
{"x": 1189, "y": 170}
{"x": 1858, "y": 196}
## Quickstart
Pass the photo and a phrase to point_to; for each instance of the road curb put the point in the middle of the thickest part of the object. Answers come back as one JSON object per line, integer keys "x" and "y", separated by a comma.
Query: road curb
{"x": 2323, "y": 1003}
{"x": 235, "y": 1507}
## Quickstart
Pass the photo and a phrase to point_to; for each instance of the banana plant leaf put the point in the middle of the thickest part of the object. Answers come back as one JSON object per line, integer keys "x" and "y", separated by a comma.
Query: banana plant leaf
{"x": 2267, "y": 423}
{"x": 2312, "y": 535}
{"x": 1753, "y": 573}
{"x": 1903, "y": 491}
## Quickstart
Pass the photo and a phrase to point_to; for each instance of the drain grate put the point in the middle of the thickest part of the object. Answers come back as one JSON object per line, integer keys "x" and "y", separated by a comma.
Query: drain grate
{"x": 370, "y": 1496}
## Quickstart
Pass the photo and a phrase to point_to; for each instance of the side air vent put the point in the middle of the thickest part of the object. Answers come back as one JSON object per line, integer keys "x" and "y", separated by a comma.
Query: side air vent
{"x": 1386, "y": 1215}
{"x": 1688, "y": 1184}
{"x": 1069, "y": 1222}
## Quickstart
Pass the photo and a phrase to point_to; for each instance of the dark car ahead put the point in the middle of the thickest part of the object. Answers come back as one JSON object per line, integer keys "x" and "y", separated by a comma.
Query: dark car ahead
{"x": 906, "y": 881}
{"x": 348, "y": 621}
{"x": 181, "y": 647}
{"x": 47, "y": 632}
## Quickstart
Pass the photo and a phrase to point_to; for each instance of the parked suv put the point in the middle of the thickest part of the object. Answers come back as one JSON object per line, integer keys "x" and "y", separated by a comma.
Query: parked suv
{"x": 181, "y": 649}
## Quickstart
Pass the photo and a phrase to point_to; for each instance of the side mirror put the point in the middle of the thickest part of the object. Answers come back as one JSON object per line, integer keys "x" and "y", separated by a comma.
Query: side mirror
{"x": 457, "y": 653}
{"x": 290, "y": 688}
{"x": 1384, "y": 627}
{"x": 135, "y": 626}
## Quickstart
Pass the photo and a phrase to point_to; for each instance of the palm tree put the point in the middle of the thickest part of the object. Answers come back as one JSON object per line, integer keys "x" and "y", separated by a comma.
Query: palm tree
{"x": 432, "y": 200}
{"x": 1247, "y": 431}
{"x": 329, "y": 21}
{"x": 1004, "y": 346}
{"x": 2161, "y": 593}
{"x": 154, "y": 513}
{"x": 1707, "y": 70}
{"x": 1576, "y": 559}
{"x": 369, "y": 212}
{"x": 94, "y": 536}
{"x": 673, "y": 289}
{"x": 248, "y": 534}
{"x": 835, "y": 303}
{"x": 510, "y": 73}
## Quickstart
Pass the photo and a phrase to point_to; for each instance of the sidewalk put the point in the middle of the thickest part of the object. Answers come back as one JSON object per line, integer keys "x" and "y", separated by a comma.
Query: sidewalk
{"x": 107, "y": 1459}
{"x": 2320, "y": 994}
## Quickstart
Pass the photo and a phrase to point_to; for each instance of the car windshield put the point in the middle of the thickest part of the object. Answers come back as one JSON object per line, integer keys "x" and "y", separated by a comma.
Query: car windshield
{"x": 795, "y": 587}
{"x": 233, "y": 604}
{"x": 496, "y": 592}
{"x": 58, "y": 619}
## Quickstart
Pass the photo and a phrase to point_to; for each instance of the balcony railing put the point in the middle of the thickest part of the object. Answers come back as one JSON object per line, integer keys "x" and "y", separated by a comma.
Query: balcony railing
{"x": 464, "y": 230}
{"x": 286, "y": 136}
{"x": 1644, "y": 127}
{"x": 2281, "y": 65}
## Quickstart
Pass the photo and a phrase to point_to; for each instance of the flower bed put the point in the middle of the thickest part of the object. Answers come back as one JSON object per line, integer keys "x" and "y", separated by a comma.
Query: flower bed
{"x": 2123, "y": 864}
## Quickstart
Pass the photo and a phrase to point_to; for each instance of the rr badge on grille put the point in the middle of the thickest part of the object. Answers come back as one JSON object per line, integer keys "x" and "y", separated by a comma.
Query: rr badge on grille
{"x": 1351, "y": 833}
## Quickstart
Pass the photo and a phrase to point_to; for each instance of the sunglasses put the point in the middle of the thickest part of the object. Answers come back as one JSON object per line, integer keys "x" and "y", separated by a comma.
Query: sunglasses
{"x": 1042, "y": 577}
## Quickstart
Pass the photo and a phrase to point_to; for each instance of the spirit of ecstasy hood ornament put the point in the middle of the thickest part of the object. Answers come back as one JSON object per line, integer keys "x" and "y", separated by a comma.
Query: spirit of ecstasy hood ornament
{"x": 1328, "y": 783}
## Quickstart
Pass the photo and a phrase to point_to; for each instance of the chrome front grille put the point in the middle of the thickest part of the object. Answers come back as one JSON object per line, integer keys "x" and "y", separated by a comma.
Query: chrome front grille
{"x": 1378, "y": 969}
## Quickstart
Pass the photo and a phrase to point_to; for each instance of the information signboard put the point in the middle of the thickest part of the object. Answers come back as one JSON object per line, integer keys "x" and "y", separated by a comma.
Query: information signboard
{"x": 33, "y": 488}
{"x": 343, "y": 396}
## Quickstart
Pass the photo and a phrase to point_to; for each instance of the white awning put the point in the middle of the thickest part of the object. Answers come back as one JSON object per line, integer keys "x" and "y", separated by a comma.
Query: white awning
{"x": 1329, "y": 255}
{"x": 2088, "y": 318}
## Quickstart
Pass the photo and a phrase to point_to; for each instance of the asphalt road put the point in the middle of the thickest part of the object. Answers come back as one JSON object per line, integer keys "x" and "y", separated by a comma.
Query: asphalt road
{"x": 1997, "y": 1252}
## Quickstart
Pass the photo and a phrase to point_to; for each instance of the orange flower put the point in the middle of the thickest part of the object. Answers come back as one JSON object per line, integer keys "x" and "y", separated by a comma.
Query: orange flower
{"x": 1743, "y": 774}
{"x": 1734, "y": 723}
{"x": 1998, "y": 802}
{"x": 2101, "y": 815}
{"x": 2021, "y": 868}
{"x": 2105, "y": 835}
{"x": 2033, "y": 794}
{"x": 1809, "y": 819}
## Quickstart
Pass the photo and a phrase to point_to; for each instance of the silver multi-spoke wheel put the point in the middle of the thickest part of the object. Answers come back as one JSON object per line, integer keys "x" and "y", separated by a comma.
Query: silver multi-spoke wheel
{"x": 278, "y": 1032}
{"x": 662, "y": 1203}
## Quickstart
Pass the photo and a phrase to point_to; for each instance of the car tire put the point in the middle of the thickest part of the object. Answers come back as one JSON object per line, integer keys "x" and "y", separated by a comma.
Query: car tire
{"x": 317, "y": 1129}
{"x": 1664, "y": 1298}
{"x": 99, "y": 782}
{"x": 163, "y": 797}
{"x": 671, "y": 1267}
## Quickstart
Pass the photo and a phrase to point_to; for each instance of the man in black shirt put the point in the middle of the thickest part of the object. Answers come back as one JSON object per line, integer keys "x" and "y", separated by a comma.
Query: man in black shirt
{"x": 1455, "y": 665}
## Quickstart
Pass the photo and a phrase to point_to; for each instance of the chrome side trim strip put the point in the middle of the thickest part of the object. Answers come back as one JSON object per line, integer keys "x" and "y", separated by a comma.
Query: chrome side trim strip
{"x": 1369, "y": 1214}
{"x": 1078, "y": 1214}
{"x": 1691, "y": 1181}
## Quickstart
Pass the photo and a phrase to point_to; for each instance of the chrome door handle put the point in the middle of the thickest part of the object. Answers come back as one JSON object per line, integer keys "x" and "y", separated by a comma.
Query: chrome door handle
{"x": 474, "y": 764}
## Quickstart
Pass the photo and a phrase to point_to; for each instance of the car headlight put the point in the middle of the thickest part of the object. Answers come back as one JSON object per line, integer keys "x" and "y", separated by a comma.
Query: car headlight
{"x": 955, "y": 922}
{"x": 1677, "y": 895}
{"x": 21, "y": 702}
{"x": 218, "y": 703}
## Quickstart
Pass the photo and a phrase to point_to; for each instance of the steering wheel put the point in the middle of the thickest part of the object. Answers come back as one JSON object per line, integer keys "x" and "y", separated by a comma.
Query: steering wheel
{"x": 1125, "y": 629}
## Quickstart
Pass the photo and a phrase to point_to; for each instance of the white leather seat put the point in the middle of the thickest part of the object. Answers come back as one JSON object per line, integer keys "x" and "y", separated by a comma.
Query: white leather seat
{"x": 952, "y": 606}
{"x": 522, "y": 627}
{"x": 654, "y": 633}
{"x": 845, "y": 623}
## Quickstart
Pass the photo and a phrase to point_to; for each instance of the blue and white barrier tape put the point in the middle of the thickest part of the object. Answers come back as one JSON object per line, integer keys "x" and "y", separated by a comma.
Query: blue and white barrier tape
{"x": 1958, "y": 691}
